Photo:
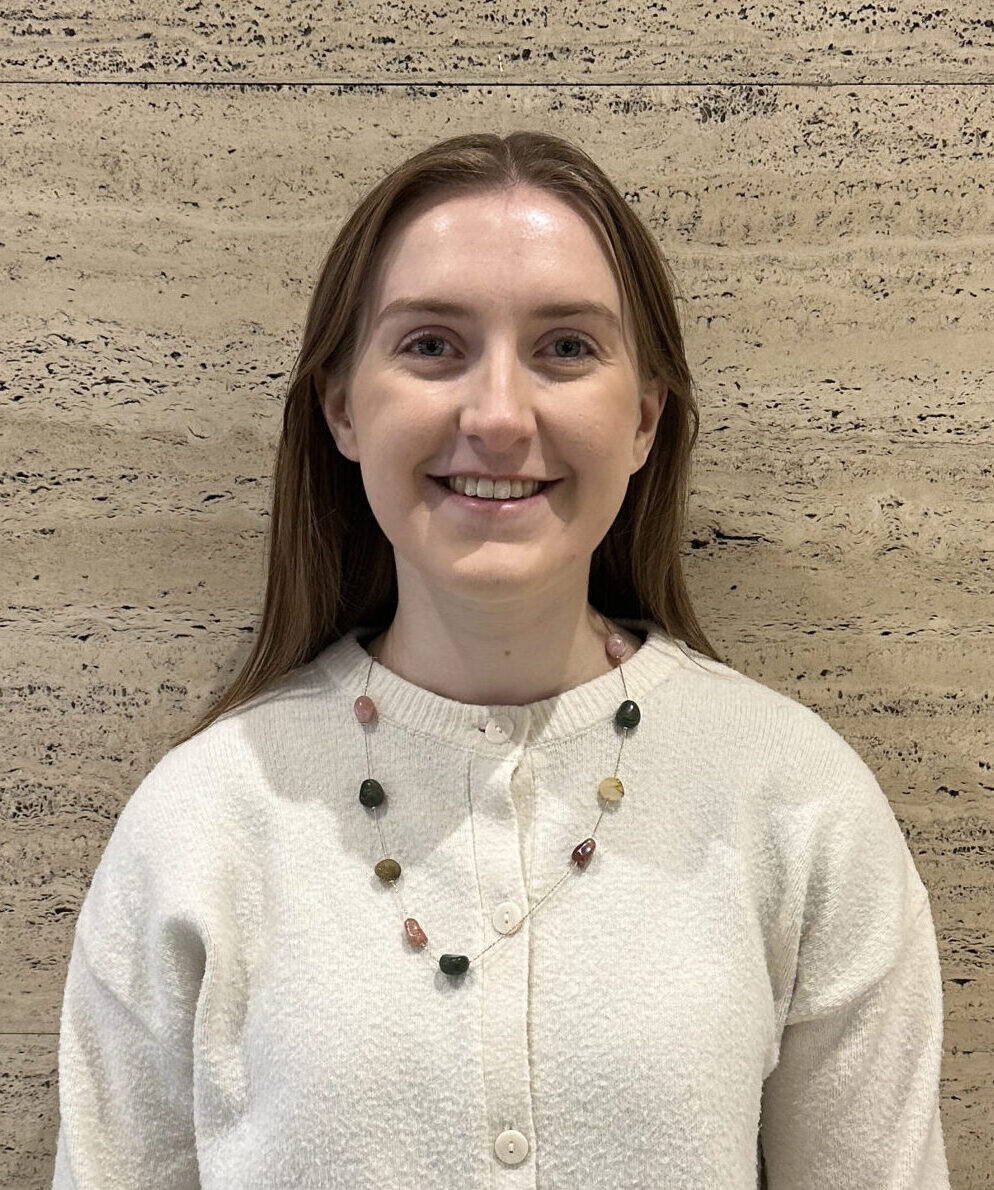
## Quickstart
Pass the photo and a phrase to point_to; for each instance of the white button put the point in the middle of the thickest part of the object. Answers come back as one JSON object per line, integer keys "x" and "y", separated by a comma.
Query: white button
{"x": 511, "y": 1147}
{"x": 506, "y": 916}
{"x": 499, "y": 729}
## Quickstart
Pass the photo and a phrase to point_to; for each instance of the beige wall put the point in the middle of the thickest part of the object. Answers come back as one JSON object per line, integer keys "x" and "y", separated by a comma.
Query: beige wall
{"x": 823, "y": 187}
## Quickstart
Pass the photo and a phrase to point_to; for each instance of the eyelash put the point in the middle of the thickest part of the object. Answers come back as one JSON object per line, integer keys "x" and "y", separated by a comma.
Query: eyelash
{"x": 419, "y": 338}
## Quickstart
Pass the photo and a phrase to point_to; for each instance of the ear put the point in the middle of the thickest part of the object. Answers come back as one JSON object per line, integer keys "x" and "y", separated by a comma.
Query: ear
{"x": 652, "y": 401}
{"x": 336, "y": 408}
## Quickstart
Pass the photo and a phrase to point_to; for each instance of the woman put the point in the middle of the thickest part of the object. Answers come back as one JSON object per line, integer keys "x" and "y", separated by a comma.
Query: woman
{"x": 487, "y": 871}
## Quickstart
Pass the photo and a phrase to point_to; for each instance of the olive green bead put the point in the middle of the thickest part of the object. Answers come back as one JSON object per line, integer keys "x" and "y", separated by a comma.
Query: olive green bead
{"x": 387, "y": 869}
{"x": 453, "y": 964}
{"x": 371, "y": 792}
{"x": 628, "y": 714}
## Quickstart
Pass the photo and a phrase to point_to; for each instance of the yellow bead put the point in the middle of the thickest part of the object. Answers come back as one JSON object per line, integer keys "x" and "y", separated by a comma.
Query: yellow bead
{"x": 387, "y": 869}
{"x": 611, "y": 789}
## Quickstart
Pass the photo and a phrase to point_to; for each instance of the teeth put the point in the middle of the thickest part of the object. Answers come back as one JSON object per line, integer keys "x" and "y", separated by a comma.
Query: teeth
{"x": 489, "y": 489}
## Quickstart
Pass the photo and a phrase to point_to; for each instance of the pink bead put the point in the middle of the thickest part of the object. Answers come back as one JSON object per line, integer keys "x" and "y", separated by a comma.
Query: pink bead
{"x": 615, "y": 646}
{"x": 415, "y": 934}
{"x": 365, "y": 708}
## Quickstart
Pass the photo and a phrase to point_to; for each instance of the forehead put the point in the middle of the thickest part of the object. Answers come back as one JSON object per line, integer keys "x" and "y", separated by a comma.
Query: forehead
{"x": 520, "y": 241}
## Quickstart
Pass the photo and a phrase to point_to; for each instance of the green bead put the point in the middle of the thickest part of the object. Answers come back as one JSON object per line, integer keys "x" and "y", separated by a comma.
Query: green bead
{"x": 370, "y": 792}
{"x": 387, "y": 869}
{"x": 628, "y": 714}
{"x": 454, "y": 964}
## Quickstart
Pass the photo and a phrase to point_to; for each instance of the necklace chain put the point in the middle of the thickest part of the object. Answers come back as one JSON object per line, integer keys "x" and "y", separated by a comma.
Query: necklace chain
{"x": 504, "y": 937}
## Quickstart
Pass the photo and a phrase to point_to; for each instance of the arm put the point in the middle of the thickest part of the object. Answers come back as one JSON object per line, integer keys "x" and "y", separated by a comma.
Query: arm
{"x": 134, "y": 978}
{"x": 854, "y": 1100}
{"x": 125, "y": 1097}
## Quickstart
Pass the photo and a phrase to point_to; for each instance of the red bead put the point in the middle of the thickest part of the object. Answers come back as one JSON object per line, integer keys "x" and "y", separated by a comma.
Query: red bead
{"x": 415, "y": 934}
{"x": 583, "y": 851}
{"x": 364, "y": 708}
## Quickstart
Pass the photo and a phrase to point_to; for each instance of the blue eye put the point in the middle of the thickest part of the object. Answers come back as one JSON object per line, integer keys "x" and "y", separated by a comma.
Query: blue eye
{"x": 428, "y": 336}
{"x": 425, "y": 338}
{"x": 574, "y": 339}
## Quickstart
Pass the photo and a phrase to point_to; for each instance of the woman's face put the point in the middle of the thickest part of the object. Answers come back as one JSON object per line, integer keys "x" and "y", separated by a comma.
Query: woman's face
{"x": 494, "y": 384}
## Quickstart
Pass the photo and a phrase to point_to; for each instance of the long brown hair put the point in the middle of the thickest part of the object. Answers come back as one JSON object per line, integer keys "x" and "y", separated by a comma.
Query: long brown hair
{"x": 331, "y": 567}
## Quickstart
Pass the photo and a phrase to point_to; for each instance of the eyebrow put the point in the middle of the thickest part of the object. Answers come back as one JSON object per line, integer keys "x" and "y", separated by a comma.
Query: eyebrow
{"x": 432, "y": 305}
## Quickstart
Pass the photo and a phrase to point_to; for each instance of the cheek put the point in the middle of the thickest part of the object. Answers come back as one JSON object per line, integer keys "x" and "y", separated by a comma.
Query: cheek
{"x": 387, "y": 488}
{"x": 383, "y": 508}
{"x": 609, "y": 464}
{"x": 605, "y": 490}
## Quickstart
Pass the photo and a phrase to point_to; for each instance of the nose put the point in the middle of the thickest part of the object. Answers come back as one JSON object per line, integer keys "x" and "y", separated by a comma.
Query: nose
{"x": 498, "y": 403}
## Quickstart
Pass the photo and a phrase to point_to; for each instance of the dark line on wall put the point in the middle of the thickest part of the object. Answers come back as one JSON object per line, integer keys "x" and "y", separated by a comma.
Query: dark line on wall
{"x": 464, "y": 84}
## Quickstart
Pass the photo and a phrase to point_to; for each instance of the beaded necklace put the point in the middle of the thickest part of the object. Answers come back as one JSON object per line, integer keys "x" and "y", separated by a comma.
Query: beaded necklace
{"x": 610, "y": 789}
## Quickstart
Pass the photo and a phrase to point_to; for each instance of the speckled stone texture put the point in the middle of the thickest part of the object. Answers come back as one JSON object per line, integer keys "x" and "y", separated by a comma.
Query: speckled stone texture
{"x": 833, "y": 251}
{"x": 699, "y": 40}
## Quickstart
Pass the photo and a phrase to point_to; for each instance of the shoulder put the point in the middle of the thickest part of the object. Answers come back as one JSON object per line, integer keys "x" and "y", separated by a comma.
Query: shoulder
{"x": 288, "y": 707}
{"x": 181, "y": 791}
{"x": 192, "y": 823}
{"x": 219, "y": 779}
{"x": 751, "y": 722}
{"x": 779, "y": 756}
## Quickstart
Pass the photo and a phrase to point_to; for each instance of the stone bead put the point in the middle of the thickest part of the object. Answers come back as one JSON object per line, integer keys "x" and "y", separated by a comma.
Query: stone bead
{"x": 583, "y": 851}
{"x": 615, "y": 646}
{"x": 364, "y": 708}
{"x": 371, "y": 792}
{"x": 387, "y": 869}
{"x": 415, "y": 934}
{"x": 628, "y": 714}
{"x": 611, "y": 789}
{"x": 453, "y": 964}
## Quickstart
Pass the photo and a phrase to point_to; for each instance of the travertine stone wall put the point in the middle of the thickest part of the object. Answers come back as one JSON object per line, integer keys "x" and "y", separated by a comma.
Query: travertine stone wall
{"x": 821, "y": 181}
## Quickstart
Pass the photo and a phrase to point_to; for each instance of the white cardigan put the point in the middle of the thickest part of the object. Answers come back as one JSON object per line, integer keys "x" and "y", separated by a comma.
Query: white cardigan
{"x": 746, "y": 967}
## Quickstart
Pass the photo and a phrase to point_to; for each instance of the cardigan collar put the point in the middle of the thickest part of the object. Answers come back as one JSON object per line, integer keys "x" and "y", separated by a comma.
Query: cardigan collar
{"x": 345, "y": 663}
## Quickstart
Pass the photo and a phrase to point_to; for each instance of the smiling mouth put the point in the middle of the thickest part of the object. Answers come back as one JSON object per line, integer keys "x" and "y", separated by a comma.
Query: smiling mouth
{"x": 444, "y": 481}
{"x": 443, "y": 484}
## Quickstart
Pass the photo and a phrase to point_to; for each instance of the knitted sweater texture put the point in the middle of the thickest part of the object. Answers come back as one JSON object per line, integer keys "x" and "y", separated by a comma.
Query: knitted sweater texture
{"x": 741, "y": 988}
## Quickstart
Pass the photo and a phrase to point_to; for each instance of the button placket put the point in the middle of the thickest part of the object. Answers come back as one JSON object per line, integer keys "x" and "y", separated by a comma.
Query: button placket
{"x": 505, "y": 1011}
{"x": 501, "y": 728}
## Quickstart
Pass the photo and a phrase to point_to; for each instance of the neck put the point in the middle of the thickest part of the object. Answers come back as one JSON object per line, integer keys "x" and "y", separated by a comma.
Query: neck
{"x": 498, "y": 659}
